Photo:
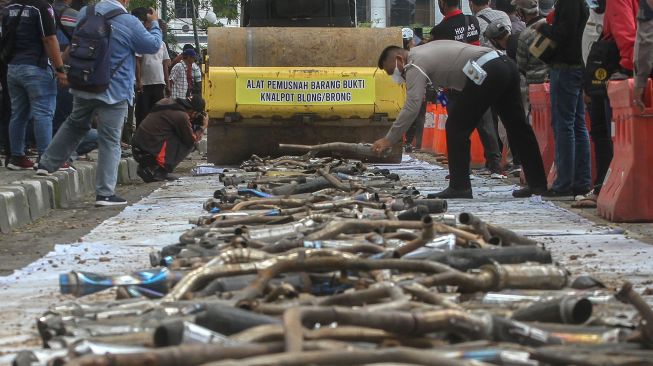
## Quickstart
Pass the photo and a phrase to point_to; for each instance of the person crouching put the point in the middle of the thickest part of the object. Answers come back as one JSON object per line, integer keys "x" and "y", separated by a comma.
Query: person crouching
{"x": 167, "y": 135}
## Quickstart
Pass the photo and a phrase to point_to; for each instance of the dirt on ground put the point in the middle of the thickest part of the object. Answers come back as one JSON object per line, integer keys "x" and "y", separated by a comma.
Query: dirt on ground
{"x": 31, "y": 242}
{"x": 639, "y": 231}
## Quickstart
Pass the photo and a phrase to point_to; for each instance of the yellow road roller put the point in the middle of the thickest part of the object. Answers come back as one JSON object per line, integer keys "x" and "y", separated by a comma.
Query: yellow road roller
{"x": 297, "y": 72}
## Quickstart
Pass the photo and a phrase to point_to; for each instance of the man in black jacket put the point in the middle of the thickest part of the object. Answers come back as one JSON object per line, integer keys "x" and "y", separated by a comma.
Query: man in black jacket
{"x": 572, "y": 147}
{"x": 167, "y": 135}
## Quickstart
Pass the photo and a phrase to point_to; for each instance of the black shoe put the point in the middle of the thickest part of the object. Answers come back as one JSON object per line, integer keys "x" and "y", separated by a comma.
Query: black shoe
{"x": 452, "y": 193}
{"x": 408, "y": 148}
{"x": 171, "y": 177}
{"x": 146, "y": 174}
{"x": 553, "y": 195}
{"x": 527, "y": 192}
{"x": 161, "y": 175}
{"x": 109, "y": 201}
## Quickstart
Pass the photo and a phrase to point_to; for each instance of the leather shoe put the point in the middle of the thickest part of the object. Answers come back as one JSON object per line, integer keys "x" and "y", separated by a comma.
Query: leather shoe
{"x": 452, "y": 193}
{"x": 527, "y": 192}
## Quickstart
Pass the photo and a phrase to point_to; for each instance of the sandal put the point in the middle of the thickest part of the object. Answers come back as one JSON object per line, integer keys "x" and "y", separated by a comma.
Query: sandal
{"x": 587, "y": 202}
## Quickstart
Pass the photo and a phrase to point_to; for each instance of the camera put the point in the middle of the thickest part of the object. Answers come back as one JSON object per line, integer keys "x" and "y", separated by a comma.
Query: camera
{"x": 198, "y": 121}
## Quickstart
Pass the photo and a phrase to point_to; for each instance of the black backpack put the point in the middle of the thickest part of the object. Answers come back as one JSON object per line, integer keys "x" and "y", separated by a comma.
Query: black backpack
{"x": 89, "y": 61}
{"x": 8, "y": 40}
{"x": 602, "y": 62}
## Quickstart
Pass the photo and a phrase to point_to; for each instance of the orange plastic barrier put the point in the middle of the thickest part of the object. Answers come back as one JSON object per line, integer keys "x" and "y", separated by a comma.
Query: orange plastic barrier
{"x": 429, "y": 127}
{"x": 440, "y": 138}
{"x": 627, "y": 192}
{"x": 541, "y": 122}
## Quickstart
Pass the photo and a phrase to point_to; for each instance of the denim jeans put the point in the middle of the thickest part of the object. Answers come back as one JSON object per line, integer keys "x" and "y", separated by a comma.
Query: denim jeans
{"x": 33, "y": 93}
{"x": 110, "y": 121}
{"x": 572, "y": 144}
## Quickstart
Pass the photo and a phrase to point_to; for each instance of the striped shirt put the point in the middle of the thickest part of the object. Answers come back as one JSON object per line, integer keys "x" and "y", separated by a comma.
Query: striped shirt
{"x": 179, "y": 81}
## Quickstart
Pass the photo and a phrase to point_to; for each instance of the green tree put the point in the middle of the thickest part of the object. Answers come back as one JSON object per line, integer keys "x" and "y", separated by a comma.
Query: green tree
{"x": 226, "y": 8}
{"x": 133, "y": 4}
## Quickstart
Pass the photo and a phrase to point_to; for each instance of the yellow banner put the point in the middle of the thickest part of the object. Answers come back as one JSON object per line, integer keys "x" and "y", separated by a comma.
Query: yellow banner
{"x": 322, "y": 90}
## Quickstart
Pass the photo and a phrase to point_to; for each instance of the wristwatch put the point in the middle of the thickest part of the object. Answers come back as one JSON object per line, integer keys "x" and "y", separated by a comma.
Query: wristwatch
{"x": 60, "y": 69}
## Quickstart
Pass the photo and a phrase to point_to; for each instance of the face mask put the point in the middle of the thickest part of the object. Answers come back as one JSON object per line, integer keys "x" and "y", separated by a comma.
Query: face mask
{"x": 396, "y": 75}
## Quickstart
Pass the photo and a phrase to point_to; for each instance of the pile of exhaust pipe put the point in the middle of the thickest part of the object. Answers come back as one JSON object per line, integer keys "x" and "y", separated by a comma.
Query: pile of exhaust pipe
{"x": 307, "y": 260}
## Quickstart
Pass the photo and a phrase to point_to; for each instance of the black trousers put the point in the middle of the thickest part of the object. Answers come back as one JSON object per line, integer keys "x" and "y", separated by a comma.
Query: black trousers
{"x": 487, "y": 132}
{"x": 146, "y": 100}
{"x": 600, "y": 128}
{"x": 416, "y": 130}
{"x": 500, "y": 91}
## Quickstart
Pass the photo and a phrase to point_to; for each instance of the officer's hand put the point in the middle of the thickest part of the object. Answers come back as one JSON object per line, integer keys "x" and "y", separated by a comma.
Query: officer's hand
{"x": 638, "y": 99}
{"x": 152, "y": 15}
{"x": 380, "y": 146}
{"x": 139, "y": 87}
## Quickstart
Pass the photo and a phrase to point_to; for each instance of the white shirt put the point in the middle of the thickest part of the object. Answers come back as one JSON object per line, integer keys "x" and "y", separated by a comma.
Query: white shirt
{"x": 593, "y": 30}
{"x": 152, "y": 67}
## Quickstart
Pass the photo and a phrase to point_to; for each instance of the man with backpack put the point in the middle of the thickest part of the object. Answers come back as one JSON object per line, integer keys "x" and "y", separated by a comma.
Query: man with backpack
{"x": 31, "y": 52}
{"x": 103, "y": 85}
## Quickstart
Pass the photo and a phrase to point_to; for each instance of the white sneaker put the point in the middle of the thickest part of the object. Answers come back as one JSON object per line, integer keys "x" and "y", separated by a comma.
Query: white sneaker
{"x": 40, "y": 171}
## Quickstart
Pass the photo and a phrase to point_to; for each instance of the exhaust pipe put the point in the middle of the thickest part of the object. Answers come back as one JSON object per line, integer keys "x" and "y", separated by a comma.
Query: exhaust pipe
{"x": 229, "y": 320}
{"x": 176, "y": 332}
{"x": 507, "y": 237}
{"x": 565, "y": 310}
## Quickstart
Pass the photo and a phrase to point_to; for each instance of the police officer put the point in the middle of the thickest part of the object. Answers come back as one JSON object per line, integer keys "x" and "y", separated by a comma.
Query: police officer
{"x": 485, "y": 78}
{"x": 416, "y": 130}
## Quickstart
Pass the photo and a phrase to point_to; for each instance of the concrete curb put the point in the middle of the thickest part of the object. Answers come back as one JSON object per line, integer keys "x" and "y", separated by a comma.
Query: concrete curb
{"x": 26, "y": 200}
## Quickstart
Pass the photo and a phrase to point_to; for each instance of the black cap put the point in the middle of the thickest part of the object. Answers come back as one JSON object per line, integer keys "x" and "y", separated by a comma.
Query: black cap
{"x": 194, "y": 102}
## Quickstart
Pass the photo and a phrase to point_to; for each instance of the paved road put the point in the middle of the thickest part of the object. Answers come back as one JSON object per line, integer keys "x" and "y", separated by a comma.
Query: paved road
{"x": 122, "y": 244}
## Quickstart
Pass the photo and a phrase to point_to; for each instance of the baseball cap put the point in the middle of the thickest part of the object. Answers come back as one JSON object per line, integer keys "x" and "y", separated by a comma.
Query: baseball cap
{"x": 407, "y": 33}
{"x": 194, "y": 102}
{"x": 189, "y": 52}
{"x": 496, "y": 30}
{"x": 525, "y": 4}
